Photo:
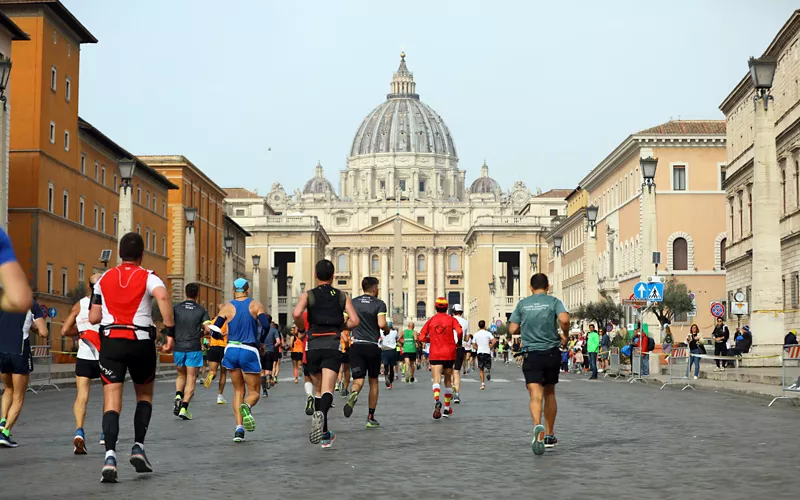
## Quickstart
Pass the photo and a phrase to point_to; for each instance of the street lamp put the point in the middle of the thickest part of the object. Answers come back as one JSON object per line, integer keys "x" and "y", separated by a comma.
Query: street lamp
{"x": 256, "y": 278}
{"x": 534, "y": 260}
{"x": 275, "y": 270}
{"x": 591, "y": 215}
{"x": 762, "y": 73}
{"x": 649, "y": 165}
{"x": 105, "y": 256}
{"x": 5, "y": 73}
{"x": 302, "y": 286}
{"x": 126, "y": 168}
{"x": 289, "y": 280}
{"x": 256, "y": 261}
{"x": 515, "y": 274}
{"x": 228, "y": 241}
{"x": 503, "y": 282}
{"x": 557, "y": 243}
{"x": 191, "y": 216}
{"x": 492, "y": 287}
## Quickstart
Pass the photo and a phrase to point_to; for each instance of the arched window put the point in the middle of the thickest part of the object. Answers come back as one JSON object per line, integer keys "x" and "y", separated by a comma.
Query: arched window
{"x": 420, "y": 310}
{"x": 722, "y": 252}
{"x": 453, "y": 262}
{"x": 376, "y": 264}
{"x": 420, "y": 263}
{"x": 341, "y": 263}
{"x": 680, "y": 254}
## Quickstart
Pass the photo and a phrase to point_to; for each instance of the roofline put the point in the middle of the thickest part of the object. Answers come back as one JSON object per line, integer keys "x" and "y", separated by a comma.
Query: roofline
{"x": 84, "y": 35}
{"x": 180, "y": 161}
{"x": 574, "y": 191}
{"x": 226, "y": 217}
{"x": 785, "y": 34}
{"x": 88, "y": 128}
{"x": 16, "y": 32}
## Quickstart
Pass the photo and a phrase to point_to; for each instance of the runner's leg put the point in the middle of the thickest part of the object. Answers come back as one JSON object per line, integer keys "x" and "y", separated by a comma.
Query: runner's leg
{"x": 237, "y": 379}
{"x": 16, "y": 386}
{"x": 550, "y": 408}
{"x": 180, "y": 387}
{"x": 251, "y": 380}
{"x": 82, "y": 385}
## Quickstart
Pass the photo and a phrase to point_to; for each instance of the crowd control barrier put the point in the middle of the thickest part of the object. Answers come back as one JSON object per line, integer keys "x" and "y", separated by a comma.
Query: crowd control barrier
{"x": 42, "y": 368}
{"x": 790, "y": 373}
{"x": 636, "y": 367}
{"x": 678, "y": 367}
{"x": 614, "y": 364}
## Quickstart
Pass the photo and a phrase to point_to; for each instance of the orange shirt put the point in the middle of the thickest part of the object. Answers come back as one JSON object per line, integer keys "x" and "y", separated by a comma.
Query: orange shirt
{"x": 297, "y": 345}
{"x": 221, "y": 343}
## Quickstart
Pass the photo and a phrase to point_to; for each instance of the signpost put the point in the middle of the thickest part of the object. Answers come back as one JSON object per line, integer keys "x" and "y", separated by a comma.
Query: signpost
{"x": 52, "y": 312}
{"x": 498, "y": 323}
{"x": 717, "y": 310}
{"x": 651, "y": 292}
{"x": 739, "y": 307}
{"x": 693, "y": 312}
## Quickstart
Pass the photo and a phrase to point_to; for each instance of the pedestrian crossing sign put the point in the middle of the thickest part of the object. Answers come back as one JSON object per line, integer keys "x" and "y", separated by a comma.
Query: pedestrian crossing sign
{"x": 654, "y": 295}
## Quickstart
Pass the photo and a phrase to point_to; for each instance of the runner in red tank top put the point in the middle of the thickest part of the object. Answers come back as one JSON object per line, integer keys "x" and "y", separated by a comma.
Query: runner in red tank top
{"x": 439, "y": 332}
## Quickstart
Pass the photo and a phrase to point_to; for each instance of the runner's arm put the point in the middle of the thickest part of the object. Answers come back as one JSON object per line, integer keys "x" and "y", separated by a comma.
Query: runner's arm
{"x": 459, "y": 330}
{"x": 41, "y": 327}
{"x": 15, "y": 292}
{"x": 297, "y": 314}
{"x": 352, "y": 316}
{"x": 69, "y": 328}
{"x": 168, "y": 318}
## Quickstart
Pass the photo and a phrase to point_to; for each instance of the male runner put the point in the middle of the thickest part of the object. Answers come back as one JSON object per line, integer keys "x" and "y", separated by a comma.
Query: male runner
{"x": 16, "y": 364}
{"x": 461, "y": 350}
{"x": 326, "y": 306}
{"x": 216, "y": 351}
{"x": 190, "y": 327}
{"x": 277, "y": 354}
{"x": 122, "y": 305}
{"x": 242, "y": 359}
{"x": 409, "y": 341}
{"x": 297, "y": 353}
{"x": 365, "y": 354}
{"x": 388, "y": 344}
{"x": 439, "y": 332}
{"x": 15, "y": 292}
{"x": 269, "y": 340}
{"x": 534, "y": 319}
{"x": 343, "y": 383}
{"x": 484, "y": 342}
{"x": 87, "y": 366}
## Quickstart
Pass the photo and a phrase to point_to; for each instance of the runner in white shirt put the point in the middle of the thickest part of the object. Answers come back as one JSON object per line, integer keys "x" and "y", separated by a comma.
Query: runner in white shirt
{"x": 483, "y": 342}
{"x": 388, "y": 344}
{"x": 461, "y": 351}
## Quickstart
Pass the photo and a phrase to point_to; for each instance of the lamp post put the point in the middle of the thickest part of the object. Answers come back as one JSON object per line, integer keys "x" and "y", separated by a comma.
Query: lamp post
{"x": 649, "y": 236}
{"x": 227, "y": 291}
{"x": 767, "y": 316}
{"x": 289, "y": 294}
{"x": 126, "y": 167}
{"x": 534, "y": 257}
{"x": 515, "y": 274}
{"x": 302, "y": 286}
{"x": 590, "y": 273}
{"x": 5, "y": 73}
{"x": 557, "y": 241}
{"x": 492, "y": 289}
{"x": 256, "y": 278}
{"x": 503, "y": 285}
{"x": 190, "y": 251}
{"x": 275, "y": 270}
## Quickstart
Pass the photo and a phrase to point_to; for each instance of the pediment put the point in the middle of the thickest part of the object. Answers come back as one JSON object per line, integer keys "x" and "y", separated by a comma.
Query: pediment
{"x": 386, "y": 226}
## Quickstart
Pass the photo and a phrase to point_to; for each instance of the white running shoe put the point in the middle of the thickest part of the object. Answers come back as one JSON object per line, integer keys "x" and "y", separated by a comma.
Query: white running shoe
{"x": 220, "y": 399}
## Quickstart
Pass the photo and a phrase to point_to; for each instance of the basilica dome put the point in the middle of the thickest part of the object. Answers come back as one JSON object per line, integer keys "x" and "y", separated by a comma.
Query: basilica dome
{"x": 403, "y": 123}
{"x": 318, "y": 184}
{"x": 484, "y": 184}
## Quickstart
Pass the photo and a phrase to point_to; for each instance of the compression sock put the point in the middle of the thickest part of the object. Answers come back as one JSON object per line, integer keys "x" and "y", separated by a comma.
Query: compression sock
{"x": 264, "y": 383}
{"x": 448, "y": 396}
{"x": 371, "y": 413}
{"x": 436, "y": 390}
{"x": 111, "y": 429}
{"x": 185, "y": 405}
{"x": 309, "y": 387}
{"x": 317, "y": 403}
{"x": 178, "y": 394}
{"x": 141, "y": 420}
{"x": 325, "y": 404}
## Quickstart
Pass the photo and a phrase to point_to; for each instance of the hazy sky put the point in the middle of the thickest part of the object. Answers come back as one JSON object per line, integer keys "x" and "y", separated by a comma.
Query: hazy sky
{"x": 542, "y": 90}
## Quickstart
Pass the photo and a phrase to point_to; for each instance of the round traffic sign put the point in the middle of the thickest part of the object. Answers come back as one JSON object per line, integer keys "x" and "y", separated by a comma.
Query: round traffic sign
{"x": 717, "y": 310}
{"x": 609, "y": 327}
{"x": 43, "y": 310}
{"x": 53, "y": 312}
{"x": 498, "y": 323}
{"x": 632, "y": 297}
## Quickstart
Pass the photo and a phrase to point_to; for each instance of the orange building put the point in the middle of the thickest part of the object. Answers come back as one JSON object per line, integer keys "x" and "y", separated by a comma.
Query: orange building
{"x": 63, "y": 172}
{"x": 195, "y": 190}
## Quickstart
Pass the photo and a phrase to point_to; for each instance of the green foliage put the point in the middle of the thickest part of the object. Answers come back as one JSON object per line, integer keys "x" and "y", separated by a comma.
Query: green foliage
{"x": 676, "y": 302}
{"x": 600, "y": 313}
{"x": 77, "y": 293}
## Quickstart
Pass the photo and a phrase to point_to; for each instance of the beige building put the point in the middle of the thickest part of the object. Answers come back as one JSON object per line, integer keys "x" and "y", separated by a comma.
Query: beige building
{"x": 402, "y": 169}
{"x": 738, "y": 108}
{"x": 567, "y": 267}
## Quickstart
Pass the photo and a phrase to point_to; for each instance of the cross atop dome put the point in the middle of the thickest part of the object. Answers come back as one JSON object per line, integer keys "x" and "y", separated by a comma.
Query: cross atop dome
{"x": 402, "y": 85}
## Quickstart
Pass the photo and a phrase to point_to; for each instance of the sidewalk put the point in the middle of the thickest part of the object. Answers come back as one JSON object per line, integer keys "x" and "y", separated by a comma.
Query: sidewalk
{"x": 752, "y": 381}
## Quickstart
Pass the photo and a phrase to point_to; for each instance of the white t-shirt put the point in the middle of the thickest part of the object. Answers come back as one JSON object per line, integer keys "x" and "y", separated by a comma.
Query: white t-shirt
{"x": 86, "y": 350}
{"x": 389, "y": 341}
{"x": 483, "y": 338}
{"x": 464, "y": 328}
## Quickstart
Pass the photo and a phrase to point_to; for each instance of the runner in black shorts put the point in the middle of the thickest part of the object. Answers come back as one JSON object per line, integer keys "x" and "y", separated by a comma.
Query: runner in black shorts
{"x": 326, "y": 307}
{"x": 343, "y": 384}
{"x": 444, "y": 333}
{"x": 365, "y": 354}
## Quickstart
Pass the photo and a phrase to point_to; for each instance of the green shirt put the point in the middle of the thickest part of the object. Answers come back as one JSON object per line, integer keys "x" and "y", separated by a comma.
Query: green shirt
{"x": 409, "y": 345}
{"x": 593, "y": 342}
{"x": 537, "y": 317}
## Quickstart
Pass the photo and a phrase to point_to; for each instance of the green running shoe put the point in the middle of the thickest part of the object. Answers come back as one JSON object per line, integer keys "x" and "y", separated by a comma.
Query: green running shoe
{"x": 309, "y": 405}
{"x": 372, "y": 423}
{"x": 349, "y": 404}
{"x": 185, "y": 414}
{"x": 537, "y": 445}
{"x": 248, "y": 420}
{"x": 176, "y": 405}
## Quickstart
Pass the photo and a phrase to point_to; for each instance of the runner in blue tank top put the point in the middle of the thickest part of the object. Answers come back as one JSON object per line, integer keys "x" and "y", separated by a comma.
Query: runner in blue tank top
{"x": 242, "y": 356}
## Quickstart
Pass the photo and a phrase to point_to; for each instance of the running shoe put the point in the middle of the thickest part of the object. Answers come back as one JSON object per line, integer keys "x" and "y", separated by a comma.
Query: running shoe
{"x": 342, "y": 390}
{"x": 349, "y": 404}
{"x": 309, "y": 404}
{"x": 372, "y": 423}
{"x": 2, "y": 424}
{"x": 386, "y": 381}
{"x": 238, "y": 436}
{"x": 247, "y": 417}
{"x": 176, "y": 405}
{"x": 550, "y": 441}
{"x": 437, "y": 410}
{"x": 7, "y": 441}
{"x": 389, "y": 386}
{"x": 295, "y": 380}
{"x": 448, "y": 412}
{"x": 220, "y": 400}
{"x": 489, "y": 376}
{"x": 345, "y": 392}
{"x": 327, "y": 439}
{"x": 79, "y": 443}
{"x": 109, "y": 473}
{"x": 457, "y": 398}
{"x": 185, "y": 414}
{"x": 102, "y": 439}
{"x": 139, "y": 460}
{"x": 265, "y": 394}
{"x": 412, "y": 380}
{"x": 537, "y": 445}
{"x": 208, "y": 379}
{"x": 315, "y": 434}
{"x": 483, "y": 387}
{"x": 337, "y": 387}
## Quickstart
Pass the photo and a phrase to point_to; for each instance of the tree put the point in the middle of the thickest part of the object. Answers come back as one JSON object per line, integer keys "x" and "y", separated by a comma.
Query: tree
{"x": 77, "y": 293}
{"x": 600, "y": 313}
{"x": 676, "y": 302}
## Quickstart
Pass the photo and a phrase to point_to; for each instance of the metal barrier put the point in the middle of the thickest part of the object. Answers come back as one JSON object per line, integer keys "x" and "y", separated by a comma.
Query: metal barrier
{"x": 678, "y": 367}
{"x": 790, "y": 373}
{"x": 614, "y": 366}
{"x": 41, "y": 368}
{"x": 636, "y": 366}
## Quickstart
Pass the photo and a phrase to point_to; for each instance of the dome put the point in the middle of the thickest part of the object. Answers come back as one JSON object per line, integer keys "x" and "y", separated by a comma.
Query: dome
{"x": 318, "y": 184}
{"x": 484, "y": 184}
{"x": 403, "y": 124}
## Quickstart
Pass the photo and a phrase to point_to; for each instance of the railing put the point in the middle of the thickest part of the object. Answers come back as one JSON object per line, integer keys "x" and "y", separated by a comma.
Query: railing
{"x": 510, "y": 220}
{"x": 292, "y": 220}
{"x": 282, "y": 301}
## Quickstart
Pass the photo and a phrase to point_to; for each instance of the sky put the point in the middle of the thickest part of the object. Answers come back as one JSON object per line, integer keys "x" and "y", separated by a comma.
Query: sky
{"x": 258, "y": 91}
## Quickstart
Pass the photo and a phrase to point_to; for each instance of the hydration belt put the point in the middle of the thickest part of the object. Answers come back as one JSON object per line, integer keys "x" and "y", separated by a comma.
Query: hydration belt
{"x": 131, "y": 329}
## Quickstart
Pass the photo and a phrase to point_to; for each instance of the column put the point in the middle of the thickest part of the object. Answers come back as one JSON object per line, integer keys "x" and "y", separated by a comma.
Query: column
{"x": 355, "y": 287}
{"x": 412, "y": 284}
{"x": 440, "y": 272}
{"x": 649, "y": 245}
{"x": 766, "y": 308}
{"x": 257, "y": 288}
{"x": 189, "y": 257}
{"x": 384, "y": 274}
{"x": 227, "y": 287}
{"x": 273, "y": 291}
{"x": 590, "y": 269}
{"x": 467, "y": 295}
{"x": 125, "y": 223}
{"x": 366, "y": 270}
{"x": 429, "y": 281}
{"x": 558, "y": 289}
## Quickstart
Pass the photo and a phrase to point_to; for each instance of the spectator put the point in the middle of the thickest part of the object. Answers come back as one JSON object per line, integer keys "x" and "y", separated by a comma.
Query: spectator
{"x": 640, "y": 340}
{"x": 605, "y": 348}
{"x": 695, "y": 347}
{"x": 668, "y": 340}
{"x": 790, "y": 338}
{"x": 744, "y": 341}
{"x": 721, "y": 335}
{"x": 593, "y": 347}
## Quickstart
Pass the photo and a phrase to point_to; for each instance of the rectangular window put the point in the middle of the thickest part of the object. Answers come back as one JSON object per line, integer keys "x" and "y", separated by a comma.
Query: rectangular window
{"x": 147, "y": 199}
{"x": 453, "y": 220}
{"x": 341, "y": 282}
{"x": 795, "y": 290}
{"x": 116, "y": 187}
{"x": 103, "y": 220}
{"x": 81, "y": 206}
{"x": 63, "y": 281}
{"x": 49, "y": 284}
{"x": 454, "y": 282}
{"x": 163, "y": 245}
{"x": 239, "y": 212}
{"x": 402, "y": 185}
{"x": 80, "y": 273}
{"x": 66, "y": 140}
{"x": 420, "y": 282}
{"x": 65, "y": 205}
{"x": 115, "y": 220}
{"x": 154, "y": 202}
{"x": 679, "y": 178}
{"x": 421, "y": 186}
{"x": 53, "y": 78}
{"x": 147, "y": 238}
{"x": 138, "y": 229}
{"x": 95, "y": 216}
{"x": 50, "y": 190}
{"x": 83, "y": 163}
{"x": 553, "y": 212}
{"x": 68, "y": 90}
{"x": 373, "y": 221}
{"x": 164, "y": 208}
{"x": 52, "y": 132}
{"x": 154, "y": 246}
{"x": 681, "y": 318}
{"x": 420, "y": 219}
{"x": 723, "y": 174}
{"x": 138, "y": 195}
{"x": 103, "y": 175}
{"x": 96, "y": 171}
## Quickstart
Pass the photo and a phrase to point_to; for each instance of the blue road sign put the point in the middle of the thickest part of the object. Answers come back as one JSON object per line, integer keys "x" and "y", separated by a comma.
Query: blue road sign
{"x": 492, "y": 328}
{"x": 651, "y": 292}
{"x": 641, "y": 290}
{"x": 52, "y": 312}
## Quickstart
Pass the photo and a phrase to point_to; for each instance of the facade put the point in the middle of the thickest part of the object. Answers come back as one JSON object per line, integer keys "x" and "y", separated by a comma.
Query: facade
{"x": 238, "y": 251}
{"x": 403, "y": 178}
{"x": 194, "y": 190}
{"x": 567, "y": 266}
{"x": 64, "y": 171}
{"x": 740, "y": 218}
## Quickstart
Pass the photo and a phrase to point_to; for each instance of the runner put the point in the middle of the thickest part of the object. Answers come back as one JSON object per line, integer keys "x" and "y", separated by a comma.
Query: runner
{"x": 241, "y": 359}
{"x": 365, "y": 354}
{"x": 409, "y": 341}
{"x": 439, "y": 332}
{"x": 190, "y": 328}
{"x": 343, "y": 383}
{"x": 87, "y": 366}
{"x": 122, "y": 305}
{"x": 308, "y": 383}
{"x": 534, "y": 319}
{"x": 277, "y": 355}
{"x": 216, "y": 351}
{"x": 16, "y": 364}
{"x": 326, "y": 306}
{"x": 388, "y": 344}
{"x": 270, "y": 337}
{"x": 297, "y": 353}
{"x": 484, "y": 341}
{"x": 461, "y": 350}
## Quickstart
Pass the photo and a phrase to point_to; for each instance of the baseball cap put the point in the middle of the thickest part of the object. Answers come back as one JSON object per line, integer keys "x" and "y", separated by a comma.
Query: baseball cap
{"x": 241, "y": 285}
{"x": 746, "y": 328}
{"x": 458, "y": 308}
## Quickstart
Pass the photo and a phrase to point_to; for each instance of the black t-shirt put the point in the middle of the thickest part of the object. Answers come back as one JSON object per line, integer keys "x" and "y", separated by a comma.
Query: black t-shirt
{"x": 693, "y": 343}
{"x": 189, "y": 318}
{"x": 721, "y": 331}
{"x": 368, "y": 309}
